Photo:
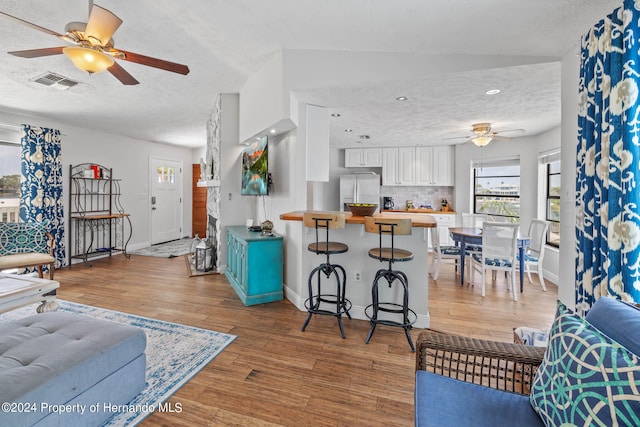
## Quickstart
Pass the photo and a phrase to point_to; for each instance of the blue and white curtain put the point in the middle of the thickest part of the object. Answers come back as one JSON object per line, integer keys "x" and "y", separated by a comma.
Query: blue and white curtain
{"x": 41, "y": 183}
{"x": 608, "y": 161}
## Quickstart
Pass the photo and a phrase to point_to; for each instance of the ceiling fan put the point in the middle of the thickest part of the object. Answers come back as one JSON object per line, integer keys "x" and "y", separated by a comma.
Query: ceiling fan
{"x": 93, "y": 49}
{"x": 483, "y": 135}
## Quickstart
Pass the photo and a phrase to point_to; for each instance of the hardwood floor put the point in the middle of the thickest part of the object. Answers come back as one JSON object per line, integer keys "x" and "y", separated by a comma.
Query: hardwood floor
{"x": 273, "y": 374}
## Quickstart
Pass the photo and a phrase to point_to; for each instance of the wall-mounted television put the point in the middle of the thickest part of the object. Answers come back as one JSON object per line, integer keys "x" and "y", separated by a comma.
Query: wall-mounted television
{"x": 255, "y": 172}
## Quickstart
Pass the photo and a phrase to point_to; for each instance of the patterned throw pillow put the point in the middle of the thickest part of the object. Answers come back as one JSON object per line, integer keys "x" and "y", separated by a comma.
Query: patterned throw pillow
{"x": 586, "y": 378}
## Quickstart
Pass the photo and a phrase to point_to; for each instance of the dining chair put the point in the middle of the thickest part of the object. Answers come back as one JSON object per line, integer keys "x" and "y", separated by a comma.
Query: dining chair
{"x": 474, "y": 220}
{"x": 534, "y": 254}
{"x": 499, "y": 252}
{"x": 441, "y": 252}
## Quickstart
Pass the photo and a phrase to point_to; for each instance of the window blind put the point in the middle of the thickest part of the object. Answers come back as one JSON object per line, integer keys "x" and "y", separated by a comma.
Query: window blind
{"x": 549, "y": 156}
{"x": 491, "y": 163}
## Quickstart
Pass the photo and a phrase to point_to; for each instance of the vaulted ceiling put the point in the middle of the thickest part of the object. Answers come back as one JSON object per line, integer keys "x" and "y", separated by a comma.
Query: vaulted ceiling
{"x": 224, "y": 41}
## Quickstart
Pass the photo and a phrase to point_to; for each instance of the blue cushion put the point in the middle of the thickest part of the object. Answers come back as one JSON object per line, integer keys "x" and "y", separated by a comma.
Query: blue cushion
{"x": 492, "y": 262}
{"x": 626, "y": 327}
{"x": 443, "y": 401}
{"x": 585, "y": 378}
{"x": 528, "y": 258}
{"x": 450, "y": 250}
{"x": 473, "y": 248}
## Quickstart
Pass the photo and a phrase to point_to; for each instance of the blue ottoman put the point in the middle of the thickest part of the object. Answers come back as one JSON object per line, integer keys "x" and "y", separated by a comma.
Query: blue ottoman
{"x": 60, "y": 368}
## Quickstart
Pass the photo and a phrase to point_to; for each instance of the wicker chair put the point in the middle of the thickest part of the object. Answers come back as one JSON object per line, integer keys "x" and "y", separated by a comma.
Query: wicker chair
{"x": 499, "y": 365}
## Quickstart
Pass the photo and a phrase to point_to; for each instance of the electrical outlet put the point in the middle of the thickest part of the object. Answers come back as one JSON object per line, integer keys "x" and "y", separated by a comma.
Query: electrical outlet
{"x": 357, "y": 276}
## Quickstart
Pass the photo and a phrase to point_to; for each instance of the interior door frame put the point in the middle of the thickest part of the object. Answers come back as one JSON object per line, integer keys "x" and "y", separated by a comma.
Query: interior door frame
{"x": 152, "y": 175}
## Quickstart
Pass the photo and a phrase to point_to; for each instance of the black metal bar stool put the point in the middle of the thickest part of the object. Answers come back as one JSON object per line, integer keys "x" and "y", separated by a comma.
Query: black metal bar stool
{"x": 391, "y": 227}
{"x": 319, "y": 302}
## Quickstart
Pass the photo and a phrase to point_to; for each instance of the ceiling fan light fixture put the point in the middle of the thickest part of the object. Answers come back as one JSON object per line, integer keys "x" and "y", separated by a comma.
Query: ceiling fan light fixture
{"x": 87, "y": 59}
{"x": 482, "y": 140}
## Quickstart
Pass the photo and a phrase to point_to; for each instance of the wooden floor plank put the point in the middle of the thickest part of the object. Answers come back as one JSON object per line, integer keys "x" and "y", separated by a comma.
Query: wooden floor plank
{"x": 274, "y": 374}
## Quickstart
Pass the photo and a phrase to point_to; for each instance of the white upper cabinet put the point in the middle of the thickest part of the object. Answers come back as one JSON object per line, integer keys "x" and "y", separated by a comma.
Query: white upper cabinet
{"x": 406, "y": 166}
{"x": 398, "y": 166}
{"x": 424, "y": 166}
{"x": 362, "y": 157}
{"x": 434, "y": 166}
{"x": 443, "y": 166}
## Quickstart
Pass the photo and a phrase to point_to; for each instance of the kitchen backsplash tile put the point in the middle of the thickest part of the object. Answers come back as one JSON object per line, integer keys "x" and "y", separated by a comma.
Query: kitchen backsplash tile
{"x": 421, "y": 196}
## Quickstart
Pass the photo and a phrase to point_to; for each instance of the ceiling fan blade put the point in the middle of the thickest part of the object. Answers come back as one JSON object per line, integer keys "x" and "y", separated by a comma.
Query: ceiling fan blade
{"x": 516, "y": 131}
{"x": 457, "y": 137}
{"x": 102, "y": 24}
{"x": 500, "y": 138}
{"x": 32, "y": 25}
{"x": 155, "y": 62}
{"x": 121, "y": 74}
{"x": 35, "y": 53}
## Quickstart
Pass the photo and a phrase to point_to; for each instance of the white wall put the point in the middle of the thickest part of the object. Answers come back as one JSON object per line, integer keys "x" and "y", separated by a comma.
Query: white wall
{"x": 129, "y": 159}
{"x": 262, "y": 99}
{"x": 288, "y": 194}
{"x": 570, "y": 77}
{"x": 198, "y": 153}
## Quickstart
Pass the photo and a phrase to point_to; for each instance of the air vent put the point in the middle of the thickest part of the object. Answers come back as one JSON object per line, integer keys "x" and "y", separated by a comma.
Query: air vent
{"x": 55, "y": 81}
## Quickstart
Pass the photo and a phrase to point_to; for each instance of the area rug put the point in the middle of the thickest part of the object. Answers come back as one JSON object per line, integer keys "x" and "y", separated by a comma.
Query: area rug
{"x": 171, "y": 249}
{"x": 175, "y": 353}
{"x": 191, "y": 268}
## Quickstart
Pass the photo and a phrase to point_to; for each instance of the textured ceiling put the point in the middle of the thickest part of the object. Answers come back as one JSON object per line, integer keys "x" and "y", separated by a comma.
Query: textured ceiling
{"x": 224, "y": 41}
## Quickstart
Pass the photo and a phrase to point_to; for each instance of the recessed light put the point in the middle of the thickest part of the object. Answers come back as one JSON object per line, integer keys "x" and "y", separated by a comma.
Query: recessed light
{"x": 335, "y": 115}
{"x": 401, "y": 98}
{"x": 492, "y": 92}
{"x": 272, "y": 131}
{"x": 348, "y": 130}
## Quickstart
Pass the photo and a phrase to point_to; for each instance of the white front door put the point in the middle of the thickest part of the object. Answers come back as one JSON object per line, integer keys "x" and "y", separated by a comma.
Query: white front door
{"x": 166, "y": 200}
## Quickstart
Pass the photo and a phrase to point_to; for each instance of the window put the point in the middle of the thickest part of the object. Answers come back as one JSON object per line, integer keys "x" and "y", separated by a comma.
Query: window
{"x": 551, "y": 167}
{"x": 496, "y": 192}
{"x": 9, "y": 182}
{"x": 166, "y": 174}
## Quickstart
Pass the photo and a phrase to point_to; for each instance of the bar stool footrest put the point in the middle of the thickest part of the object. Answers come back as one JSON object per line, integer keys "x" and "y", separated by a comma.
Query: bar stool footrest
{"x": 412, "y": 316}
{"x": 328, "y": 299}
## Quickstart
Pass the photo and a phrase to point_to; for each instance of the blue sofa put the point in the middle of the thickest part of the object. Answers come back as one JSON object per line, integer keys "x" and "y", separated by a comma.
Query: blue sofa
{"x": 461, "y": 381}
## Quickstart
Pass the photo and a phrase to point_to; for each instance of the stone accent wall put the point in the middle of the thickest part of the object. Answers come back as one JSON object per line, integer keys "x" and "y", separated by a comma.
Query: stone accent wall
{"x": 213, "y": 165}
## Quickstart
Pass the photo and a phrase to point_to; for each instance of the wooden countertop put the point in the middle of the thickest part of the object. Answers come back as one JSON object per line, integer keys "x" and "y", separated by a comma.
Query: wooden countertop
{"x": 420, "y": 210}
{"x": 419, "y": 220}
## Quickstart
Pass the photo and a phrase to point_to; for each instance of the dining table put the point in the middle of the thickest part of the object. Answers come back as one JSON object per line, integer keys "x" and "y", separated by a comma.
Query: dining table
{"x": 464, "y": 236}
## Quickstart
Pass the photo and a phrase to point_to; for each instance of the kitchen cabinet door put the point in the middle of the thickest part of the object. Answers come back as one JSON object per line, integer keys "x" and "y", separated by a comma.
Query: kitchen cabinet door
{"x": 443, "y": 166}
{"x": 372, "y": 157}
{"x": 362, "y": 157}
{"x": 389, "y": 166}
{"x": 398, "y": 166}
{"x": 406, "y": 166}
{"x": 424, "y": 165}
{"x": 353, "y": 157}
{"x": 434, "y": 166}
